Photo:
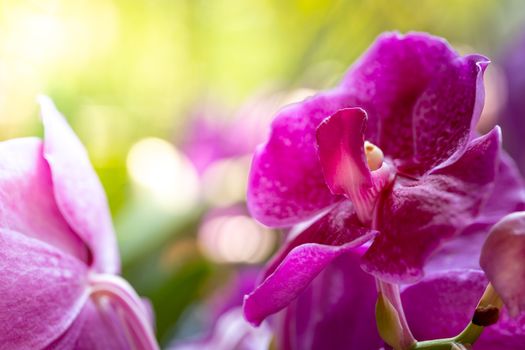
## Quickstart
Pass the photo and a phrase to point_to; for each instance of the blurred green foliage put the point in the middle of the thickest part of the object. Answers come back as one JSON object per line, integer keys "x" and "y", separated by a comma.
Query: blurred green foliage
{"x": 124, "y": 70}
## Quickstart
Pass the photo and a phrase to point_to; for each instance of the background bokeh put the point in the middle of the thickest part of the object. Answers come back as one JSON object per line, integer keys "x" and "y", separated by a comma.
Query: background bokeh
{"x": 171, "y": 96}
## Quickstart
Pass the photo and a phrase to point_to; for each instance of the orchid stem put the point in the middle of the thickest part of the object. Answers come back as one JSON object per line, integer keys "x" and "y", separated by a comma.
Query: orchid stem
{"x": 119, "y": 291}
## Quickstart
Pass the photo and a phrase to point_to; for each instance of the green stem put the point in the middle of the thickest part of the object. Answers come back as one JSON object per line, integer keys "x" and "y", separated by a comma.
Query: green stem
{"x": 438, "y": 344}
{"x": 470, "y": 334}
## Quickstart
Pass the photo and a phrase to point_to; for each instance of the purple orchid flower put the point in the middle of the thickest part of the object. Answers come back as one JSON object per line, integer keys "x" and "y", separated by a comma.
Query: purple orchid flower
{"x": 388, "y": 160}
{"x": 336, "y": 311}
{"x": 58, "y": 255}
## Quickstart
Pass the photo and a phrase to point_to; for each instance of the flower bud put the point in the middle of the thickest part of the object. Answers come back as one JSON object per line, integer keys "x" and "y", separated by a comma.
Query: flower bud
{"x": 388, "y": 323}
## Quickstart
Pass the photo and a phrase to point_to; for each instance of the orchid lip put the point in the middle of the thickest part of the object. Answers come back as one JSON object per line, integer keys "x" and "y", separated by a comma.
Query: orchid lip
{"x": 365, "y": 200}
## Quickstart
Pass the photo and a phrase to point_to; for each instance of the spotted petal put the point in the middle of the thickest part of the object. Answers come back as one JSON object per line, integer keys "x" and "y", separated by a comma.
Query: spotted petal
{"x": 464, "y": 250}
{"x": 422, "y": 98}
{"x": 420, "y": 214}
{"x": 286, "y": 184}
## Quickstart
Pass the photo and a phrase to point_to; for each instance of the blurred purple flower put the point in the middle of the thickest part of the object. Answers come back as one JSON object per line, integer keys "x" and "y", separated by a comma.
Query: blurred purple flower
{"x": 336, "y": 311}
{"x": 58, "y": 253}
{"x": 425, "y": 182}
{"x": 212, "y": 136}
{"x": 206, "y": 140}
{"x": 226, "y": 329}
{"x": 513, "y": 118}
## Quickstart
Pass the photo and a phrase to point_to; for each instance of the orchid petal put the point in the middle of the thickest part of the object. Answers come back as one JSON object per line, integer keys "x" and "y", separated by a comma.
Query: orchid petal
{"x": 421, "y": 97}
{"x": 420, "y": 214}
{"x": 286, "y": 184}
{"x": 338, "y": 226}
{"x": 134, "y": 314}
{"x": 335, "y": 312}
{"x": 450, "y": 297}
{"x": 301, "y": 261}
{"x": 508, "y": 194}
{"x": 78, "y": 191}
{"x": 26, "y": 197}
{"x": 501, "y": 259}
{"x": 42, "y": 290}
{"x": 97, "y": 327}
{"x": 464, "y": 251}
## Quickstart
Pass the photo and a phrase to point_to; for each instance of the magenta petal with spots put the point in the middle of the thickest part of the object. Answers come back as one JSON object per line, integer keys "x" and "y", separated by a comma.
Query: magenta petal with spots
{"x": 302, "y": 259}
{"x": 420, "y": 214}
{"x": 286, "y": 184}
{"x": 78, "y": 191}
{"x": 502, "y": 260}
{"x": 464, "y": 250}
{"x": 42, "y": 290}
{"x": 421, "y": 97}
{"x": 451, "y": 298}
{"x": 508, "y": 194}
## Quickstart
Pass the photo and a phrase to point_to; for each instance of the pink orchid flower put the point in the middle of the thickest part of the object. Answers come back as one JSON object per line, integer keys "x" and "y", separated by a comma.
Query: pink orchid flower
{"x": 58, "y": 254}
